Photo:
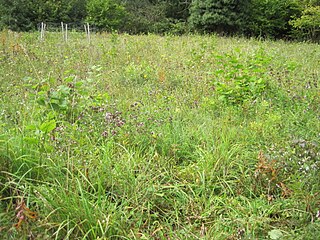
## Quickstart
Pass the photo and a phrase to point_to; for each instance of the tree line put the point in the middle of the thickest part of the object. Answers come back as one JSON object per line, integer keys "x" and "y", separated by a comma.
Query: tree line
{"x": 277, "y": 19}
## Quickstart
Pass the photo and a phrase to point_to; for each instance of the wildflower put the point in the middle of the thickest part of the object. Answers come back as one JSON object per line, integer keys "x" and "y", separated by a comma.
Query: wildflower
{"x": 120, "y": 123}
{"x": 109, "y": 116}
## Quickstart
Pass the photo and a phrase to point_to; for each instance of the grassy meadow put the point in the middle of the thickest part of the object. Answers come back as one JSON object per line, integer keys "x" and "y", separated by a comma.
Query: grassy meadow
{"x": 158, "y": 137}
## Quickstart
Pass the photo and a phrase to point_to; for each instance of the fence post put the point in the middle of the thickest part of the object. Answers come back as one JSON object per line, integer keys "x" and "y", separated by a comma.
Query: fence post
{"x": 43, "y": 27}
{"x": 88, "y": 29}
{"x": 66, "y": 31}
{"x": 62, "y": 29}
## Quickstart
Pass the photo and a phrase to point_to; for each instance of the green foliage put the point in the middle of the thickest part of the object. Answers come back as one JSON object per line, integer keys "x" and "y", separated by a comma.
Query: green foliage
{"x": 118, "y": 140}
{"x": 177, "y": 9}
{"x": 308, "y": 25}
{"x": 275, "y": 234}
{"x": 18, "y": 15}
{"x": 270, "y": 18}
{"x": 60, "y": 11}
{"x": 48, "y": 126}
{"x": 157, "y": 16}
{"x": 275, "y": 19}
{"x": 218, "y": 16}
{"x": 57, "y": 100}
{"x": 238, "y": 81}
{"x": 106, "y": 15}
{"x": 145, "y": 16}
{"x": 3, "y": 16}
{"x": 76, "y": 10}
{"x": 22, "y": 15}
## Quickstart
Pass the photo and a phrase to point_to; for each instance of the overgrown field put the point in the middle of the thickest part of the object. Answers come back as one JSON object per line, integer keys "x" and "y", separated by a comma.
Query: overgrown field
{"x": 150, "y": 137}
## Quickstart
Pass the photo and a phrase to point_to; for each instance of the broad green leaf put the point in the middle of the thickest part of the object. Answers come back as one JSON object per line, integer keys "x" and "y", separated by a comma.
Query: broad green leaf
{"x": 31, "y": 127}
{"x": 31, "y": 140}
{"x": 275, "y": 234}
{"x": 48, "y": 126}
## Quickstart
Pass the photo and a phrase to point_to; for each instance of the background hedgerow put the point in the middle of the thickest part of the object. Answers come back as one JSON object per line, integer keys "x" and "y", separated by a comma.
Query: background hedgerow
{"x": 149, "y": 137}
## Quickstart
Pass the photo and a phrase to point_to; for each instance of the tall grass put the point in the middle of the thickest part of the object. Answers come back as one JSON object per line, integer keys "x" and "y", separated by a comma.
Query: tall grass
{"x": 150, "y": 137}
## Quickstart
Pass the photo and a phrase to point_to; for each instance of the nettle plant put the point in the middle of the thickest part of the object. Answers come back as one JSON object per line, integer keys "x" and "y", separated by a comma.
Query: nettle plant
{"x": 238, "y": 80}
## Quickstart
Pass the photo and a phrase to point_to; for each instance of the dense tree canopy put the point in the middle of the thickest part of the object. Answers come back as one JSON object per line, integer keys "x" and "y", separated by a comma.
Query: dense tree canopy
{"x": 309, "y": 23}
{"x": 270, "y": 18}
{"x": 25, "y": 15}
{"x": 105, "y": 14}
{"x": 224, "y": 16}
{"x": 264, "y": 18}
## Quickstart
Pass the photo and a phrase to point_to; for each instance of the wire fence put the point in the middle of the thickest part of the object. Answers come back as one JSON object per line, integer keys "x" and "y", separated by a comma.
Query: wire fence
{"x": 66, "y": 28}
{"x": 74, "y": 26}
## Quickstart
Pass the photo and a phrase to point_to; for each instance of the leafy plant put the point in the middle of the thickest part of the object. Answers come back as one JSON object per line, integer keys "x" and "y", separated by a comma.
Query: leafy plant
{"x": 308, "y": 24}
{"x": 238, "y": 81}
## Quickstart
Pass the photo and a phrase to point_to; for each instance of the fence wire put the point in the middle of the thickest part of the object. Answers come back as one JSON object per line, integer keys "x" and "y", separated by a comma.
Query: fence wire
{"x": 72, "y": 27}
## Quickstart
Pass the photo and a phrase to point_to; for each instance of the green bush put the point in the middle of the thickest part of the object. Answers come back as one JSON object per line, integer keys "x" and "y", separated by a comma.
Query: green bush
{"x": 270, "y": 18}
{"x": 308, "y": 25}
{"x": 106, "y": 14}
{"x": 224, "y": 16}
{"x": 237, "y": 81}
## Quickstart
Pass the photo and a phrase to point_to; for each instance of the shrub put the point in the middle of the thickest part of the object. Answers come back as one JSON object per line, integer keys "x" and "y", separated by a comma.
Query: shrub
{"x": 308, "y": 25}
{"x": 238, "y": 81}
